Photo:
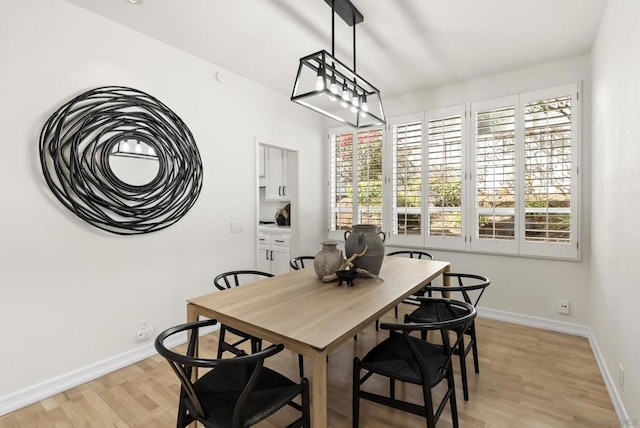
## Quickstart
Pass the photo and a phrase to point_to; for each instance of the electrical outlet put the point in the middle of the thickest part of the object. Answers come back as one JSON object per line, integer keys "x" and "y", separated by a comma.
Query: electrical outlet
{"x": 563, "y": 306}
{"x": 145, "y": 330}
{"x": 621, "y": 377}
{"x": 237, "y": 227}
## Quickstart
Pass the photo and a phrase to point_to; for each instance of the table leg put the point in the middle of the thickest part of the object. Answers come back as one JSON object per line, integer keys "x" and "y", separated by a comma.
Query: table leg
{"x": 445, "y": 280}
{"x": 192, "y": 316}
{"x": 319, "y": 390}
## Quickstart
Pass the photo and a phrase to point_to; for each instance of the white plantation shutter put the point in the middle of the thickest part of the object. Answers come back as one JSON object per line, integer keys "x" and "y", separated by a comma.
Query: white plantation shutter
{"x": 370, "y": 177}
{"x": 355, "y": 179}
{"x": 341, "y": 181}
{"x": 494, "y": 216}
{"x": 406, "y": 180}
{"x": 445, "y": 177}
{"x": 495, "y": 176}
{"x": 549, "y": 218}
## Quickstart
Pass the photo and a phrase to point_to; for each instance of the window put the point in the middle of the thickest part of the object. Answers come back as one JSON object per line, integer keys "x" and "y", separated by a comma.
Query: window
{"x": 355, "y": 196}
{"x": 406, "y": 180}
{"x": 446, "y": 187}
{"x": 495, "y": 176}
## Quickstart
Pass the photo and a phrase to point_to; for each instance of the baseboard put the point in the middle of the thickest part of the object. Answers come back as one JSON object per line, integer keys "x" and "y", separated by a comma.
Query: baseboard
{"x": 576, "y": 330}
{"x": 537, "y": 322}
{"x": 48, "y": 388}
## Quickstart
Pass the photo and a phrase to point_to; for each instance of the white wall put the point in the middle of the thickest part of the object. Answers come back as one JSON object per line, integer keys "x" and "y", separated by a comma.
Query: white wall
{"x": 525, "y": 286}
{"x": 72, "y": 295}
{"x": 615, "y": 271}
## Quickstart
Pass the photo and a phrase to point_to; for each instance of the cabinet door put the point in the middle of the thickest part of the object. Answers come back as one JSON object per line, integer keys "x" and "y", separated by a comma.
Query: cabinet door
{"x": 273, "y": 180}
{"x": 264, "y": 258}
{"x": 280, "y": 260}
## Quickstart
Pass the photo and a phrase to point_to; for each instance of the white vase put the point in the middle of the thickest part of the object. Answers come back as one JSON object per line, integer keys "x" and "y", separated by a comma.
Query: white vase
{"x": 328, "y": 260}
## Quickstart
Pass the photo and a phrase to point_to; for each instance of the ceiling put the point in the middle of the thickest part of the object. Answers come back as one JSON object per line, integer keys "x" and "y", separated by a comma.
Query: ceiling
{"x": 403, "y": 46}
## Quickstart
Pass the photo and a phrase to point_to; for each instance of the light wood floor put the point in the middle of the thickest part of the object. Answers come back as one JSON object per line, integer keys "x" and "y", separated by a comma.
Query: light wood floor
{"x": 528, "y": 378}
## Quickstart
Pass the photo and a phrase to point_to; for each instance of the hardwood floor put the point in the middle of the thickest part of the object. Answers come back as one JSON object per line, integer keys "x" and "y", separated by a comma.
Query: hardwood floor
{"x": 528, "y": 378}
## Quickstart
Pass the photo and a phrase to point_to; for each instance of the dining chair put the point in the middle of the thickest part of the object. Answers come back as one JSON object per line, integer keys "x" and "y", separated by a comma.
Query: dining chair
{"x": 235, "y": 278}
{"x": 406, "y": 358}
{"x": 411, "y": 254}
{"x": 234, "y": 392}
{"x": 470, "y": 287}
{"x": 226, "y": 281}
{"x": 298, "y": 263}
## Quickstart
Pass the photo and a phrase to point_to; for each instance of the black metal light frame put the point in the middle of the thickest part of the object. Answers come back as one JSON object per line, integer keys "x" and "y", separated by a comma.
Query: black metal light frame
{"x": 325, "y": 66}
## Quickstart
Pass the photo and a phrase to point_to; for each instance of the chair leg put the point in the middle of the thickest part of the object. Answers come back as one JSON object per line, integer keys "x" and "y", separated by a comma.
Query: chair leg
{"x": 355, "y": 384}
{"x": 452, "y": 399}
{"x": 377, "y": 325}
{"x": 301, "y": 365}
{"x": 392, "y": 388}
{"x": 463, "y": 368}
{"x": 306, "y": 407}
{"x": 395, "y": 311}
{"x": 221, "y": 341}
{"x": 474, "y": 347}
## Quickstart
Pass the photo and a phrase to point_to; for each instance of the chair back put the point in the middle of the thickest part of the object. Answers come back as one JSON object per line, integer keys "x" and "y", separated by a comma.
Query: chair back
{"x": 297, "y": 263}
{"x": 413, "y": 254}
{"x": 471, "y": 286}
{"x": 183, "y": 364}
{"x": 235, "y": 278}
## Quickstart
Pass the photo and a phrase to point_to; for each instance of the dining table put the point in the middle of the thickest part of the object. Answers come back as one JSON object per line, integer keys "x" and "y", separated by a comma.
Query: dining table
{"x": 312, "y": 317}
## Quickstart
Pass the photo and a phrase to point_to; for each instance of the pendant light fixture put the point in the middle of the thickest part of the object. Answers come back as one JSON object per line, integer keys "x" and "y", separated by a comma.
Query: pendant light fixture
{"x": 326, "y": 85}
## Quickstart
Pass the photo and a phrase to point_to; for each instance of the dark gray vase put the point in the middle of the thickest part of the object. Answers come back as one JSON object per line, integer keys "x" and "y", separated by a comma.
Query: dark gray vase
{"x": 355, "y": 241}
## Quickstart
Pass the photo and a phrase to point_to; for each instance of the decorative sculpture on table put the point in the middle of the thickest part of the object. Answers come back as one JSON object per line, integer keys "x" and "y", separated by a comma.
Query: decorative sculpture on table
{"x": 82, "y": 149}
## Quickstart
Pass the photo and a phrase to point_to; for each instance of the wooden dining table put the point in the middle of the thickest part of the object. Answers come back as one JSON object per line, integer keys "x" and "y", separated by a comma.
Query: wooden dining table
{"x": 312, "y": 317}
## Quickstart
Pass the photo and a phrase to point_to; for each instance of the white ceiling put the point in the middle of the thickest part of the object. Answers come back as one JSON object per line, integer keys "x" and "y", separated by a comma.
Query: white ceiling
{"x": 402, "y": 46}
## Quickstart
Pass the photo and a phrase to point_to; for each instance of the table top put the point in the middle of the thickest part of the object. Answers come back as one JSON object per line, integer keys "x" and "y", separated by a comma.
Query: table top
{"x": 299, "y": 310}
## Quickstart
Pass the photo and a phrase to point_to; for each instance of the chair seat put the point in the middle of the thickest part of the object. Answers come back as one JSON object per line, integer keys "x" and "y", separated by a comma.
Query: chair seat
{"x": 427, "y": 312}
{"x": 393, "y": 358}
{"x": 219, "y": 391}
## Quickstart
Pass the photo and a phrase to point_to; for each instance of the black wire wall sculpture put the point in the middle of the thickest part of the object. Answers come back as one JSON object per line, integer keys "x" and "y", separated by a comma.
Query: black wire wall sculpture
{"x": 76, "y": 144}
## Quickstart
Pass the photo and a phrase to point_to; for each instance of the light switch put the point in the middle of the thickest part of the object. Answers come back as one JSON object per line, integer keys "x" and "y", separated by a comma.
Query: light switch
{"x": 237, "y": 227}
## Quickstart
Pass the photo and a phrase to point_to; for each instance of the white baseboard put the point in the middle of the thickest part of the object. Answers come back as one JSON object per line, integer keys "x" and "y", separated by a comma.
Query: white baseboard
{"x": 48, "y": 388}
{"x": 576, "y": 330}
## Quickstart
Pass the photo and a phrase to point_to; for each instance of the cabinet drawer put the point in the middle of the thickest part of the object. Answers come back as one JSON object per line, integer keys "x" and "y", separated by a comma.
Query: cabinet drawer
{"x": 264, "y": 239}
{"x": 280, "y": 240}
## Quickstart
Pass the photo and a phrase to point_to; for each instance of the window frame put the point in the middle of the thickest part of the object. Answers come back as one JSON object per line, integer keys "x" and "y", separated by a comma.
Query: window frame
{"x": 468, "y": 241}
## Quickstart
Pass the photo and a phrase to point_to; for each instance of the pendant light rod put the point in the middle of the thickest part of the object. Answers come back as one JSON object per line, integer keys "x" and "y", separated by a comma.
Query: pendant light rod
{"x": 346, "y": 10}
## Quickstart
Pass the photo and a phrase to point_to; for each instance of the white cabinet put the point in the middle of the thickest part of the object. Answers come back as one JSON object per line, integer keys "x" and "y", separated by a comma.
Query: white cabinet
{"x": 274, "y": 252}
{"x": 276, "y": 174}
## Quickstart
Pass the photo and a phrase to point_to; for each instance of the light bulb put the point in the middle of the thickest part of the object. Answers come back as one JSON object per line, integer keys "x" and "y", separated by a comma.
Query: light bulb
{"x": 150, "y": 151}
{"x": 125, "y": 146}
{"x": 345, "y": 96}
{"x": 363, "y": 104}
{"x": 138, "y": 148}
{"x": 320, "y": 80}
{"x": 333, "y": 87}
{"x": 355, "y": 99}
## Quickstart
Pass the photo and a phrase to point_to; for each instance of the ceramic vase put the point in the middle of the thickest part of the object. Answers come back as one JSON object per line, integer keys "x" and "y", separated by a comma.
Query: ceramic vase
{"x": 328, "y": 260}
{"x": 355, "y": 241}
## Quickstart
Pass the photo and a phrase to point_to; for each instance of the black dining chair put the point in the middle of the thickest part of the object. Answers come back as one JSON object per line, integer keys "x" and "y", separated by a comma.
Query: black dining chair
{"x": 235, "y": 278}
{"x": 411, "y": 254}
{"x": 298, "y": 263}
{"x": 470, "y": 287}
{"x": 235, "y": 392}
{"x": 406, "y": 358}
{"x": 223, "y": 282}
